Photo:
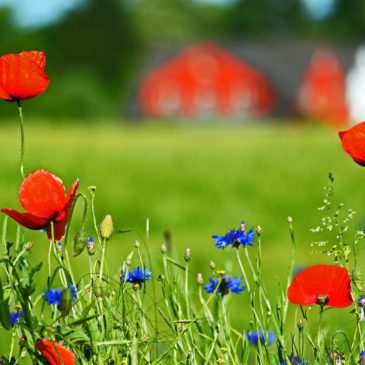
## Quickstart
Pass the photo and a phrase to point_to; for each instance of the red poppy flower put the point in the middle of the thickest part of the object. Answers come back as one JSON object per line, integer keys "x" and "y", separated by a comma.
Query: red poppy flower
{"x": 22, "y": 75}
{"x": 43, "y": 197}
{"x": 55, "y": 353}
{"x": 323, "y": 285}
{"x": 353, "y": 142}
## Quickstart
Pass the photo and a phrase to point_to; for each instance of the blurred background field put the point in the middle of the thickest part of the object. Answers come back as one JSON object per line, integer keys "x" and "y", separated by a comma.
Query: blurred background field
{"x": 194, "y": 182}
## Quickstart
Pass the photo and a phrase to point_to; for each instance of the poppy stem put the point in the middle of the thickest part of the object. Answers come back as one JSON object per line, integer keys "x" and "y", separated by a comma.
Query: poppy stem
{"x": 22, "y": 138}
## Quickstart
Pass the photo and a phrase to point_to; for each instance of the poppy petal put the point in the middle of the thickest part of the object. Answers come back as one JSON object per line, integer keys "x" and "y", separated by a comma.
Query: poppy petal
{"x": 26, "y": 219}
{"x": 55, "y": 353}
{"x": 22, "y": 77}
{"x": 330, "y": 281}
{"x": 42, "y": 194}
{"x": 59, "y": 225}
{"x": 3, "y": 94}
{"x": 353, "y": 142}
{"x": 38, "y": 57}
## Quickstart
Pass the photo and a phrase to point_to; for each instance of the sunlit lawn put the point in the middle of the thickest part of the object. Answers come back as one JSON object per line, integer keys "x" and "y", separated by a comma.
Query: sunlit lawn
{"x": 192, "y": 180}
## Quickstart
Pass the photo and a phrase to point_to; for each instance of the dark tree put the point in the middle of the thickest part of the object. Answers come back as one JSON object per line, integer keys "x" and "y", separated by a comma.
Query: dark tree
{"x": 98, "y": 37}
{"x": 263, "y": 18}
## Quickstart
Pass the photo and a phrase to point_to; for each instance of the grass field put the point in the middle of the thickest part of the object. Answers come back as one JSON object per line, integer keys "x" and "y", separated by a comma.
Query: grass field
{"x": 192, "y": 180}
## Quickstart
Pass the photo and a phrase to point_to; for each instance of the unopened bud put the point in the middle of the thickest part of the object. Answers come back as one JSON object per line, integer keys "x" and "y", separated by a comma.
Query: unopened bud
{"x": 259, "y": 230}
{"x": 161, "y": 277}
{"x": 164, "y": 248}
{"x": 80, "y": 241}
{"x": 300, "y": 324}
{"x": 90, "y": 246}
{"x": 212, "y": 265}
{"x": 106, "y": 227}
{"x": 98, "y": 288}
{"x": 136, "y": 244}
{"x": 66, "y": 301}
{"x": 28, "y": 245}
{"x": 199, "y": 278}
{"x": 92, "y": 188}
{"x": 357, "y": 277}
{"x": 128, "y": 260}
{"x": 187, "y": 255}
{"x": 290, "y": 219}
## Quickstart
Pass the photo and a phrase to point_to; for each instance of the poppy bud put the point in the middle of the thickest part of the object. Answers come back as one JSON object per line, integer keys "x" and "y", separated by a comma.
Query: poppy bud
{"x": 357, "y": 278}
{"x": 137, "y": 244}
{"x": 106, "y": 227}
{"x": 212, "y": 265}
{"x": 99, "y": 289}
{"x": 290, "y": 219}
{"x": 4, "y": 310}
{"x": 5, "y": 314}
{"x": 80, "y": 241}
{"x": 163, "y": 248}
{"x": 66, "y": 301}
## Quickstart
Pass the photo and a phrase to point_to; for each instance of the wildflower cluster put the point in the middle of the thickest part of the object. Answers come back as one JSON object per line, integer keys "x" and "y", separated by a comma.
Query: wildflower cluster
{"x": 106, "y": 322}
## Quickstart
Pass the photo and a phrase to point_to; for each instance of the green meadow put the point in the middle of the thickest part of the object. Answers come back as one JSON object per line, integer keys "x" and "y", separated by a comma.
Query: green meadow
{"x": 193, "y": 180}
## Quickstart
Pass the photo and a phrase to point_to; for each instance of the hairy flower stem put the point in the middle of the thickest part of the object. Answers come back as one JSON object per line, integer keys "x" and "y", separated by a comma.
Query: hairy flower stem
{"x": 103, "y": 247}
{"x": 247, "y": 283}
{"x": 319, "y": 333}
{"x": 22, "y": 138}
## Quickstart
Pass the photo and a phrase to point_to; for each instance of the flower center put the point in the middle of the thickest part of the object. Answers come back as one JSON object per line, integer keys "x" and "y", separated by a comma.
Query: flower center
{"x": 322, "y": 299}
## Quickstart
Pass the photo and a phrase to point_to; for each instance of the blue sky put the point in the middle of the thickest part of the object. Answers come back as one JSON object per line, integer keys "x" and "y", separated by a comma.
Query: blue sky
{"x": 39, "y": 12}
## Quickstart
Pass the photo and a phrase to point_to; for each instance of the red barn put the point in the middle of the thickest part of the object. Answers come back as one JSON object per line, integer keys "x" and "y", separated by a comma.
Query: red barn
{"x": 323, "y": 91}
{"x": 204, "y": 81}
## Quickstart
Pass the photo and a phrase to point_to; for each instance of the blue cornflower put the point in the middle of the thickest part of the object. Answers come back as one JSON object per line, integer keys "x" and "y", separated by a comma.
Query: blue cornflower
{"x": 15, "y": 317}
{"x": 361, "y": 301}
{"x": 294, "y": 360}
{"x": 235, "y": 237}
{"x": 52, "y": 296}
{"x": 254, "y": 337}
{"x": 362, "y": 357}
{"x": 73, "y": 291}
{"x": 136, "y": 276}
{"x": 90, "y": 241}
{"x": 226, "y": 284}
